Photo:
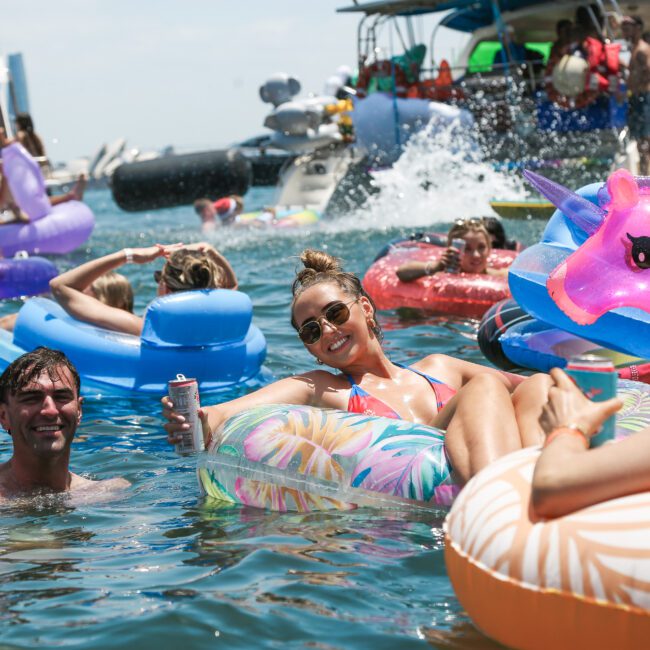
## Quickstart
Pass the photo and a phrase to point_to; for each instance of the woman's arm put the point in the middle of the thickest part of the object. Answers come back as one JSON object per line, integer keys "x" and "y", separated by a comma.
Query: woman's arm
{"x": 567, "y": 475}
{"x": 230, "y": 279}
{"x": 307, "y": 389}
{"x": 68, "y": 289}
{"x": 413, "y": 270}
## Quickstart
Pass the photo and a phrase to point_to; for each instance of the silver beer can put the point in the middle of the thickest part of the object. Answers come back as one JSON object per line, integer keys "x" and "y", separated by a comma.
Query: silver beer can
{"x": 184, "y": 394}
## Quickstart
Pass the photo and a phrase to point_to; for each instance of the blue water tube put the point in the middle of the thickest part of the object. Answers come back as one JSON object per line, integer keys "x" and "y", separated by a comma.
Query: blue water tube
{"x": 51, "y": 229}
{"x": 25, "y": 276}
{"x": 206, "y": 334}
{"x": 626, "y": 329}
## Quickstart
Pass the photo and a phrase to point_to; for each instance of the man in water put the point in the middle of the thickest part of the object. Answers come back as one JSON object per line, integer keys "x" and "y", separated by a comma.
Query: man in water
{"x": 40, "y": 407}
{"x": 638, "y": 85}
{"x": 226, "y": 209}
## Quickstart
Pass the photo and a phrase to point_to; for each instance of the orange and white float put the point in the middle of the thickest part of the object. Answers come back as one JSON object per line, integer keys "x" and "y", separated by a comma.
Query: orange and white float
{"x": 578, "y": 581}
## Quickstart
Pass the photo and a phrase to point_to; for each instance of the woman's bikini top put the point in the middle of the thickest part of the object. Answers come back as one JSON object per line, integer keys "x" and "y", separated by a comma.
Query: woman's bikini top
{"x": 362, "y": 402}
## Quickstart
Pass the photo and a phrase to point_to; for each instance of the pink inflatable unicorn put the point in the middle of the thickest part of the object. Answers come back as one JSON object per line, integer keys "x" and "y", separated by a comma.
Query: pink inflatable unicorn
{"x": 612, "y": 268}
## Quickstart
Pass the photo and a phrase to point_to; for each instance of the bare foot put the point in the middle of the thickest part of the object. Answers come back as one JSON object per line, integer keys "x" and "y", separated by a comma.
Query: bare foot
{"x": 77, "y": 192}
{"x": 19, "y": 215}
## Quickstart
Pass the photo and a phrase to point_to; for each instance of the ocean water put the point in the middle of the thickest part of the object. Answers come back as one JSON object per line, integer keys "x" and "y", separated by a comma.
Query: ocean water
{"x": 159, "y": 567}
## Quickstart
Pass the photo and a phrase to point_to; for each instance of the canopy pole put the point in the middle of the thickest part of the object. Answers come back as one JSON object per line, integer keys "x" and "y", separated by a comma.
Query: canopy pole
{"x": 501, "y": 29}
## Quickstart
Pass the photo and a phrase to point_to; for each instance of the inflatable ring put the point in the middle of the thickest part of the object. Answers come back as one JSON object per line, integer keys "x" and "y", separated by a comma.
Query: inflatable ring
{"x": 589, "y": 274}
{"x": 578, "y": 581}
{"x": 51, "y": 229}
{"x": 300, "y": 458}
{"x": 510, "y": 338}
{"x": 25, "y": 276}
{"x": 459, "y": 294}
{"x": 221, "y": 348}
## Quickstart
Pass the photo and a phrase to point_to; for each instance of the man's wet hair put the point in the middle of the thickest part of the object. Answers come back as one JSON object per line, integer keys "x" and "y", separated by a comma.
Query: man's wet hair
{"x": 30, "y": 366}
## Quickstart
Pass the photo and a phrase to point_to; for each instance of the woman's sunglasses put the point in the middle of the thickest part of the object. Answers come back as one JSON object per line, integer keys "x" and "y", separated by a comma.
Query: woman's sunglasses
{"x": 157, "y": 275}
{"x": 336, "y": 314}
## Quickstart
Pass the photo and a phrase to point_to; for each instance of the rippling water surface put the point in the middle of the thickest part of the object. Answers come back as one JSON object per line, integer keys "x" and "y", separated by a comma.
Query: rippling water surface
{"x": 161, "y": 568}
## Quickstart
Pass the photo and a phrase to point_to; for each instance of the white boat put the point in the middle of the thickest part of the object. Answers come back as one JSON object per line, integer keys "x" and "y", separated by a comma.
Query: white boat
{"x": 506, "y": 92}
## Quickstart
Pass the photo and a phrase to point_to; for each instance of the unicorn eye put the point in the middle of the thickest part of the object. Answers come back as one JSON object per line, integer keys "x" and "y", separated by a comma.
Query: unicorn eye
{"x": 640, "y": 251}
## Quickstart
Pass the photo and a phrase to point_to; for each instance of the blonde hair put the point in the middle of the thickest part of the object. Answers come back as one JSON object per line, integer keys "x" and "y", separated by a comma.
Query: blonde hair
{"x": 186, "y": 270}
{"x": 323, "y": 267}
{"x": 462, "y": 228}
{"x": 113, "y": 289}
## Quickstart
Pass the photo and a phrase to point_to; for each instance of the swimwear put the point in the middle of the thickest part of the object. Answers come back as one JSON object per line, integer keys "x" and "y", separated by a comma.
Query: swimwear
{"x": 638, "y": 117}
{"x": 361, "y": 401}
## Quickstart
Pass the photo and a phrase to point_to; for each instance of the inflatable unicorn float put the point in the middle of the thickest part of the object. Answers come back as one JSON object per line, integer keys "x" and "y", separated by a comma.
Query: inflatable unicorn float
{"x": 587, "y": 283}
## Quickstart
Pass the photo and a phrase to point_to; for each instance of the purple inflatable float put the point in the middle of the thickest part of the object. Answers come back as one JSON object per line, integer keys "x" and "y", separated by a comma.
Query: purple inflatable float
{"x": 52, "y": 229}
{"x": 25, "y": 276}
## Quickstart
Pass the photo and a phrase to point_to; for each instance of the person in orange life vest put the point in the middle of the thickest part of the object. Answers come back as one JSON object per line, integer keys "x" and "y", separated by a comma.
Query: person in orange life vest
{"x": 227, "y": 209}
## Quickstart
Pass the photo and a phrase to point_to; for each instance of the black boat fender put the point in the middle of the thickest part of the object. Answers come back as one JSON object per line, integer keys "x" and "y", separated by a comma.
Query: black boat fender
{"x": 180, "y": 179}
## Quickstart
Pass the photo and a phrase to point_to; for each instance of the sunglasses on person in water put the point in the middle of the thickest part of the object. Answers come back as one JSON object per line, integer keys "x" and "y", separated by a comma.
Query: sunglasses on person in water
{"x": 336, "y": 314}
{"x": 157, "y": 275}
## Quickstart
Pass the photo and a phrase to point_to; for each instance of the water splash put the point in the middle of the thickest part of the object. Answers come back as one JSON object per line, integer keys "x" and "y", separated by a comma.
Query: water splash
{"x": 441, "y": 176}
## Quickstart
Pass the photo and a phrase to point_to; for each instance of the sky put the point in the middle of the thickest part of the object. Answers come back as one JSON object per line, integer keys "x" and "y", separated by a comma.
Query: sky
{"x": 167, "y": 72}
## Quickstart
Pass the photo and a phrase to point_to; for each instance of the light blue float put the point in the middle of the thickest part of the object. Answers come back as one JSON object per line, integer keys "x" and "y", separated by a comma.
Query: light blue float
{"x": 206, "y": 334}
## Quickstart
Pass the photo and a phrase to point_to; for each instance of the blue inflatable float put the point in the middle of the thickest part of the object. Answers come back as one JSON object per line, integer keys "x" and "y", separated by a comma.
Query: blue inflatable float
{"x": 206, "y": 334}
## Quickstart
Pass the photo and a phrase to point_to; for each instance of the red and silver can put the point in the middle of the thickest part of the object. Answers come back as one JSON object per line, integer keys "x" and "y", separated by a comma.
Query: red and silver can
{"x": 597, "y": 378}
{"x": 184, "y": 394}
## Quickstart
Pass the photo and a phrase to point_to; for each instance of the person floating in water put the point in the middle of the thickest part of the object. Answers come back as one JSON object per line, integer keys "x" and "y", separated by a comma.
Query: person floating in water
{"x": 40, "y": 408}
{"x": 474, "y": 259}
{"x": 483, "y": 410}
{"x": 10, "y": 211}
{"x": 226, "y": 209}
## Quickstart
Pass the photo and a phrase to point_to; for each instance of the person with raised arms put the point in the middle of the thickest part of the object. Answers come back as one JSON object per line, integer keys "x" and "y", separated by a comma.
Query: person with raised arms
{"x": 187, "y": 268}
{"x": 40, "y": 408}
{"x": 482, "y": 410}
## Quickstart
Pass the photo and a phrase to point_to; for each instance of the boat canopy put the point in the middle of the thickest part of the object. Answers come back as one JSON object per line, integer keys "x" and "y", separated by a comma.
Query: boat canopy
{"x": 465, "y": 15}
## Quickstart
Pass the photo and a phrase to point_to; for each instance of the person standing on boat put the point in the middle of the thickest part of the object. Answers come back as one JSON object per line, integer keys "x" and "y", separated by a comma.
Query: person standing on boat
{"x": 40, "y": 408}
{"x": 27, "y": 136}
{"x": 638, "y": 86}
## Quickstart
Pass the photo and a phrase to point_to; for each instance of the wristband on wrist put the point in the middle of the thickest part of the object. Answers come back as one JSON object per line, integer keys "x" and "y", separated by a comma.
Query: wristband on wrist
{"x": 128, "y": 254}
{"x": 568, "y": 430}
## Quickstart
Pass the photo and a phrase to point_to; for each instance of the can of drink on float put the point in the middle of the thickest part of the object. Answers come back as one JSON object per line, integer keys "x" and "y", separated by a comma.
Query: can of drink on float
{"x": 184, "y": 394}
{"x": 459, "y": 245}
{"x": 597, "y": 378}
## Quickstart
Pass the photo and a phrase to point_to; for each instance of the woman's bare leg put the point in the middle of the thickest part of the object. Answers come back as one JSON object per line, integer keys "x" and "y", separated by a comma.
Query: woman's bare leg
{"x": 481, "y": 426}
{"x": 528, "y": 399}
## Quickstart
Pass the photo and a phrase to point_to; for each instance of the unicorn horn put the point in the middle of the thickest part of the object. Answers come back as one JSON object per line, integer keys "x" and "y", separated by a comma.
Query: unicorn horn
{"x": 583, "y": 213}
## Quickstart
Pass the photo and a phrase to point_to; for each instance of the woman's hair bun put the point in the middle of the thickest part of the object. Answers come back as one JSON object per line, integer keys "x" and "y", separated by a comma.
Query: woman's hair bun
{"x": 199, "y": 273}
{"x": 320, "y": 261}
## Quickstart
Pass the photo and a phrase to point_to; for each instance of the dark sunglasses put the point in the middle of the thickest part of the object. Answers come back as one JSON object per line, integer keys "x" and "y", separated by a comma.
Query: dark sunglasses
{"x": 157, "y": 275}
{"x": 336, "y": 314}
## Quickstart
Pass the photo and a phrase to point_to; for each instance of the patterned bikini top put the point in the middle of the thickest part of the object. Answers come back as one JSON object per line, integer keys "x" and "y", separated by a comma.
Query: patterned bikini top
{"x": 361, "y": 401}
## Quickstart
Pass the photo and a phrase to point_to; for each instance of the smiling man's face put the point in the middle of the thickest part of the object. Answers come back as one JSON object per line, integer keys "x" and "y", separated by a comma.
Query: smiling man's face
{"x": 43, "y": 415}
